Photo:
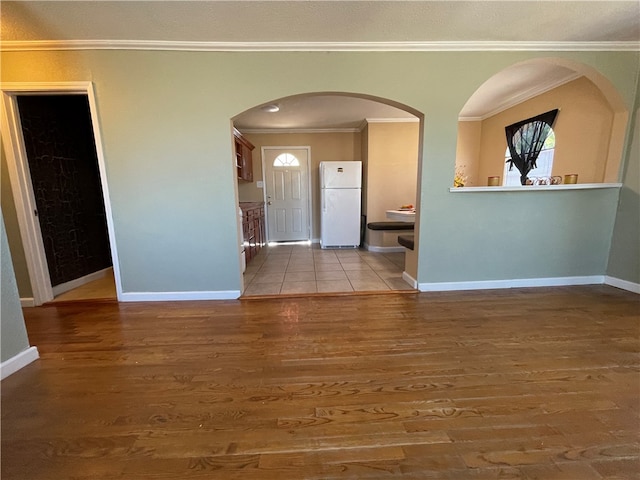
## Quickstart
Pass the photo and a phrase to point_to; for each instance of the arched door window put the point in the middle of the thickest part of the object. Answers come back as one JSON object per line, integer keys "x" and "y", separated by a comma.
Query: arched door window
{"x": 286, "y": 160}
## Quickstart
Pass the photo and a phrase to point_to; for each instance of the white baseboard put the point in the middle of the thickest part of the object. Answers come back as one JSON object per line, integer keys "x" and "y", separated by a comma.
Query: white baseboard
{"x": 513, "y": 283}
{"x": 373, "y": 248}
{"x": 27, "y": 302}
{"x": 410, "y": 280}
{"x": 78, "y": 282}
{"x": 179, "y": 296}
{"x": 623, "y": 284}
{"x": 18, "y": 361}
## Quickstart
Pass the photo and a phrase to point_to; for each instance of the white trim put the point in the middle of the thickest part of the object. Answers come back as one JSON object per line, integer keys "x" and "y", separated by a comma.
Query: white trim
{"x": 622, "y": 284}
{"x": 27, "y": 302}
{"x": 21, "y": 180}
{"x": 179, "y": 296}
{"x": 115, "y": 262}
{"x": 535, "y": 188}
{"x": 410, "y": 280}
{"x": 513, "y": 283}
{"x": 18, "y": 361}
{"x": 373, "y": 248}
{"x": 78, "y": 282}
{"x": 331, "y": 130}
{"x": 419, "y": 46}
{"x": 393, "y": 120}
{"x": 521, "y": 97}
{"x": 24, "y": 199}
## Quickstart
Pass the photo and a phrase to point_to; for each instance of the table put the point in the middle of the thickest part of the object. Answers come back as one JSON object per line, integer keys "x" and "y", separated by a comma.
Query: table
{"x": 401, "y": 215}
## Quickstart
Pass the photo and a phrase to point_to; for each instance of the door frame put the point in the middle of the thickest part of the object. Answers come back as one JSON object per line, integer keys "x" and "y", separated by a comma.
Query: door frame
{"x": 22, "y": 187}
{"x": 264, "y": 189}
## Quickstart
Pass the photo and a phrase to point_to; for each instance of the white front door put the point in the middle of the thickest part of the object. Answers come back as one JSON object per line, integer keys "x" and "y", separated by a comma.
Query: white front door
{"x": 286, "y": 183}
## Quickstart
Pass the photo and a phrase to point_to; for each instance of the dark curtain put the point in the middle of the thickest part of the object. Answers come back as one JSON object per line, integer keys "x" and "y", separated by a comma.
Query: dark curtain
{"x": 525, "y": 140}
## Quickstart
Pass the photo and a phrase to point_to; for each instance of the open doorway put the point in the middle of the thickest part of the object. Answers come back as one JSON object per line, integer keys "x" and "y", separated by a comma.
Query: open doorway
{"x": 57, "y": 176}
{"x": 382, "y": 134}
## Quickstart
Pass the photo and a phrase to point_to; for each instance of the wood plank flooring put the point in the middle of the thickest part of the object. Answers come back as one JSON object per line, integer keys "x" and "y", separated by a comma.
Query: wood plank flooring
{"x": 509, "y": 384}
{"x": 103, "y": 289}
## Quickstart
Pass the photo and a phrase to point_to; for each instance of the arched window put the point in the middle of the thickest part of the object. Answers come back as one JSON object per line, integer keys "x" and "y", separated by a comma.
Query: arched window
{"x": 544, "y": 163}
{"x": 286, "y": 160}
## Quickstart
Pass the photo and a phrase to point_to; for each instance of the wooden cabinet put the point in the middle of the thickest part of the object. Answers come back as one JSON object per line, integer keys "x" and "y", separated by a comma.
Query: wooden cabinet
{"x": 244, "y": 160}
{"x": 253, "y": 228}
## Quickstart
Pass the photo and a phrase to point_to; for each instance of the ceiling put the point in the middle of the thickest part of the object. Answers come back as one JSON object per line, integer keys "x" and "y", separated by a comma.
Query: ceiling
{"x": 324, "y": 21}
{"x": 337, "y": 25}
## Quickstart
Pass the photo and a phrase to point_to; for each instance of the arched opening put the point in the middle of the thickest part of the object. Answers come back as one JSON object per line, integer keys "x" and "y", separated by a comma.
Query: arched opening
{"x": 385, "y": 136}
{"x": 589, "y": 129}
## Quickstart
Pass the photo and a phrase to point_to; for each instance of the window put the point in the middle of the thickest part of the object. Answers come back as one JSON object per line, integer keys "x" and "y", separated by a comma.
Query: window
{"x": 286, "y": 160}
{"x": 544, "y": 163}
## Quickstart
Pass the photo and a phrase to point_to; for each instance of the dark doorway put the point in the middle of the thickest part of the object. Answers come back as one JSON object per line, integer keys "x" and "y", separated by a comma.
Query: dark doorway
{"x": 63, "y": 164}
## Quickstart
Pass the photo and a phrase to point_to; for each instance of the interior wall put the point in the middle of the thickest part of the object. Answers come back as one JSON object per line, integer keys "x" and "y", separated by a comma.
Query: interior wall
{"x": 468, "y": 151}
{"x": 165, "y": 123}
{"x": 624, "y": 257}
{"x": 13, "y": 231}
{"x": 582, "y": 129}
{"x": 392, "y": 170}
{"x": 364, "y": 148}
{"x": 13, "y": 333}
{"x": 343, "y": 146}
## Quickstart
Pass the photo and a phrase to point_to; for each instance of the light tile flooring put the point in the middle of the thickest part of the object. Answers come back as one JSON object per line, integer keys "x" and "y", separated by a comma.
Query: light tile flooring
{"x": 299, "y": 269}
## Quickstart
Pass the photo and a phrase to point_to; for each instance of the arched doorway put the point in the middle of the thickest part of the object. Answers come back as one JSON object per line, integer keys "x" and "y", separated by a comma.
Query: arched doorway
{"x": 384, "y": 135}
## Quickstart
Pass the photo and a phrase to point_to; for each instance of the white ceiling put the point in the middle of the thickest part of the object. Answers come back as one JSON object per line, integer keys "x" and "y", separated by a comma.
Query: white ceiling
{"x": 323, "y": 21}
{"x": 335, "y": 25}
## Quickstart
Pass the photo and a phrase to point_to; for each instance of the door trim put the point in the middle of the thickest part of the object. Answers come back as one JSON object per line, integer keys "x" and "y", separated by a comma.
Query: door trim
{"x": 24, "y": 198}
{"x": 264, "y": 189}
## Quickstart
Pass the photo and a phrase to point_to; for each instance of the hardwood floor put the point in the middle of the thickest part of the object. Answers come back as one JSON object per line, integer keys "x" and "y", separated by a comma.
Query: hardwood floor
{"x": 103, "y": 289}
{"x": 518, "y": 384}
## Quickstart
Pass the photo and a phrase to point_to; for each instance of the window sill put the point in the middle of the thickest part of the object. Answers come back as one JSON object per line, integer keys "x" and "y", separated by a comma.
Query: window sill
{"x": 536, "y": 188}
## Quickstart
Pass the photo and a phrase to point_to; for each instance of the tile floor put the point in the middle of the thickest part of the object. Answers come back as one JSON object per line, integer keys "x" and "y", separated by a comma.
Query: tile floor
{"x": 295, "y": 269}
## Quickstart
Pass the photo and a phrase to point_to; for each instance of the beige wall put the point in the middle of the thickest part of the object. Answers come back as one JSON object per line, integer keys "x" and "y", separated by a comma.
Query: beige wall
{"x": 583, "y": 132}
{"x": 324, "y": 146}
{"x": 468, "y": 151}
{"x": 13, "y": 231}
{"x": 389, "y": 152}
{"x": 392, "y": 167}
{"x": 364, "y": 148}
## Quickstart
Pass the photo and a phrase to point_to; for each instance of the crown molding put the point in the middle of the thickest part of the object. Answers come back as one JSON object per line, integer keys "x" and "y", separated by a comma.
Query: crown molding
{"x": 330, "y": 130}
{"x": 522, "y": 97}
{"x": 367, "y": 121}
{"x": 40, "y": 45}
{"x": 271, "y": 131}
{"x": 393, "y": 120}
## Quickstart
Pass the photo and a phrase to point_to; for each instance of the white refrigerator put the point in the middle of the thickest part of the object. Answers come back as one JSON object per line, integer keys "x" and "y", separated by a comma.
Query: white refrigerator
{"x": 340, "y": 201}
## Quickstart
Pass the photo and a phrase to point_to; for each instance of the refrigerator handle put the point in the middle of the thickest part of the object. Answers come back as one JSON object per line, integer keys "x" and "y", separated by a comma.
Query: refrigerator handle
{"x": 324, "y": 201}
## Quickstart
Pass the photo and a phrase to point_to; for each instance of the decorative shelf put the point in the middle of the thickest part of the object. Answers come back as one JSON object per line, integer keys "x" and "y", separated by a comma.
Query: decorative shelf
{"x": 535, "y": 188}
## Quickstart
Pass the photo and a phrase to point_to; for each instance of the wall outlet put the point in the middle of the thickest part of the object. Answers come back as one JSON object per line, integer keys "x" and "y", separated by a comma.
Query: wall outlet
{"x": 260, "y": 184}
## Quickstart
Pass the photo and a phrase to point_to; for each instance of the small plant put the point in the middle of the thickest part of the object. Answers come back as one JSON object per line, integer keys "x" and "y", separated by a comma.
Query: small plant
{"x": 459, "y": 179}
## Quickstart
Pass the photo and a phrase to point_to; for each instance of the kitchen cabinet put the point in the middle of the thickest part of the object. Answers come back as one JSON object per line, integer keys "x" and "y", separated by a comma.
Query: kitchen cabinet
{"x": 253, "y": 228}
{"x": 244, "y": 160}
